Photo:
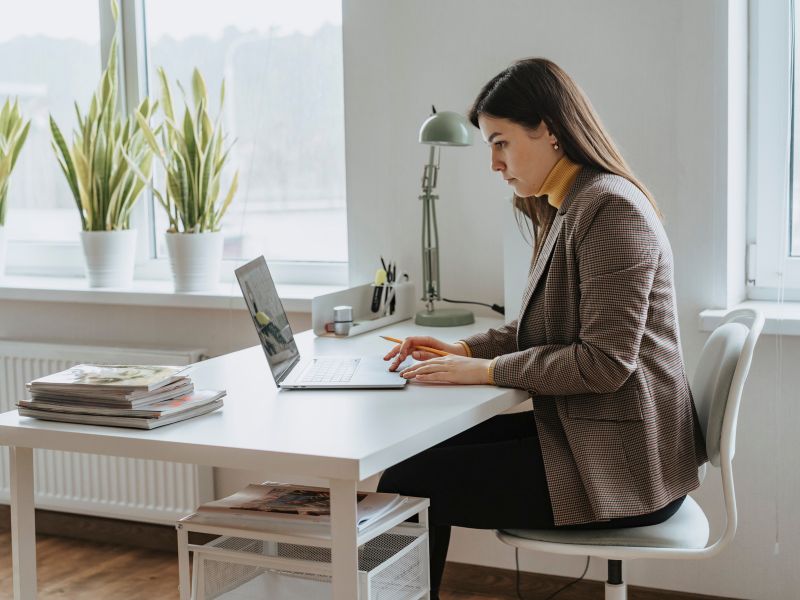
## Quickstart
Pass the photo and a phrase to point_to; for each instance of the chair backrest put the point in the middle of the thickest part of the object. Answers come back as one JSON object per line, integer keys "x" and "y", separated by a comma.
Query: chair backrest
{"x": 719, "y": 380}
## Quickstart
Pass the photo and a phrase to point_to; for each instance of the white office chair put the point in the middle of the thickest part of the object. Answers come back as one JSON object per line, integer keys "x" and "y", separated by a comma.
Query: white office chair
{"x": 717, "y": 389}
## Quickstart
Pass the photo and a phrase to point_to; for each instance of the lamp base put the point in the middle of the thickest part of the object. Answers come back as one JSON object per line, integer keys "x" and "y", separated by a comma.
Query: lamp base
{"x": 444, "y": 317}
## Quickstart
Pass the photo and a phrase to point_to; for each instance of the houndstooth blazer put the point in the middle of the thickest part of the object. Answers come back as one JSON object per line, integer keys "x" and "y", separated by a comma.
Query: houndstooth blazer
{"x": 616, "y": 421}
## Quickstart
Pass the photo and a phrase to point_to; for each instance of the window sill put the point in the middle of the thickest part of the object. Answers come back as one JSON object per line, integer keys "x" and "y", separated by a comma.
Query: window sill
{"x": 295, "y": 297}
{"x": 781, "y": 318}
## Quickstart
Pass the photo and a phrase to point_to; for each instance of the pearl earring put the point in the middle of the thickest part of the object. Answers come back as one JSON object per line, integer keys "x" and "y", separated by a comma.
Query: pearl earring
{"x": 555, "y": 146}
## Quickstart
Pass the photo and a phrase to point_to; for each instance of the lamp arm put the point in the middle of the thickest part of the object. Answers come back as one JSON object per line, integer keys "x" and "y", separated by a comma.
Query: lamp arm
{"x": 435, "y": 252}
{"x": 430, "y": 233}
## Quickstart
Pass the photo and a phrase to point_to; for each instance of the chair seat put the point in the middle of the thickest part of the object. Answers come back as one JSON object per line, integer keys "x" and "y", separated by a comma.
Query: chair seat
{"x": 687, "y": 530}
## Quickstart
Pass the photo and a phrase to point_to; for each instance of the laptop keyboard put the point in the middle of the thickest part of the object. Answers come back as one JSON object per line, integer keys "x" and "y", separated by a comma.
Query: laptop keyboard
{"x": 329, "y": 370}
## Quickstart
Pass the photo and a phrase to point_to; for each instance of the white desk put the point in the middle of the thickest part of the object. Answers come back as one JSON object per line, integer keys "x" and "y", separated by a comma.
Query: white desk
{"x": 343, "y": 436}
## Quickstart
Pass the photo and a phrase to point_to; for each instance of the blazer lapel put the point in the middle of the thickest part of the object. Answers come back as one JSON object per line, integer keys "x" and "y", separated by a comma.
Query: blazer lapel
{"x": 555, "y": 230}
{"x": 541, "y": 261}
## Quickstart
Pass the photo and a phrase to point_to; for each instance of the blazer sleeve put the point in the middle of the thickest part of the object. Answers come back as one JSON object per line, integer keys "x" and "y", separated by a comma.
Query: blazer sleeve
{"x": 494, "y": 342}
{"x": 617, "y": 255}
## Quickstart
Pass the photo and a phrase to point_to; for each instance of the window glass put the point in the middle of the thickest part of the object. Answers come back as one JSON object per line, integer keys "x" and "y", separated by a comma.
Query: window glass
{"x": 795, "y": 183}
{"x": 49, "y": 59}
{"x": 282, "y": 65}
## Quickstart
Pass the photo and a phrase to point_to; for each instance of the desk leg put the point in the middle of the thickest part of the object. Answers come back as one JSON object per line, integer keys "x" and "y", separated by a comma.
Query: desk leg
{"x": 23, "y": 526}
{"x": 344, "y": 539}
{"x": 184, "y": 586}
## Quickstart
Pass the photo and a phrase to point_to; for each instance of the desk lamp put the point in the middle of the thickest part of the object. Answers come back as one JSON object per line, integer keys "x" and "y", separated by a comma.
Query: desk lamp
{"x": 440, "y": 129}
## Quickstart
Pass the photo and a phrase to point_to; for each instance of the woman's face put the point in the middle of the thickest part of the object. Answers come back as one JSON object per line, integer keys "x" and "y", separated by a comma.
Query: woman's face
{"x": 522, "y": 156}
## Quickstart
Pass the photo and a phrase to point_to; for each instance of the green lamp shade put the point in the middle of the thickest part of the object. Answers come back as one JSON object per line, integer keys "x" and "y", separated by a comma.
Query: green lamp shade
{"x": 446, "y": 128}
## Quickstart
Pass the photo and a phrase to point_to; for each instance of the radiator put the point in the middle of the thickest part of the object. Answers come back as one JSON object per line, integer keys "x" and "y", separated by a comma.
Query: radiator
{"x": 121, "y": 488}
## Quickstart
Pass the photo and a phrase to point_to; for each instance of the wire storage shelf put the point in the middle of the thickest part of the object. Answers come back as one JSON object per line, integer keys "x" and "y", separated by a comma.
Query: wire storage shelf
{"x": 392, "y": 565}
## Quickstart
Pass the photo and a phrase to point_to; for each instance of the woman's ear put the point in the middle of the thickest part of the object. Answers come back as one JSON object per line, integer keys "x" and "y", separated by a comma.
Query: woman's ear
{"x": 551, "y": 137}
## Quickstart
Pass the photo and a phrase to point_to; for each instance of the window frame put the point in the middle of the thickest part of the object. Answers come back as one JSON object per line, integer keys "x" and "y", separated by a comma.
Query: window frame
{"x": 772, "y": 274}
{"x": 66, "y": 259}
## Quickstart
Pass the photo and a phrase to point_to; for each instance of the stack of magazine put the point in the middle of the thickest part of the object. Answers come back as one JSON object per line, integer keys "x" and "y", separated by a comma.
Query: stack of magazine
{"x": 141, "y": 396}
{"x": 299, "y": 505}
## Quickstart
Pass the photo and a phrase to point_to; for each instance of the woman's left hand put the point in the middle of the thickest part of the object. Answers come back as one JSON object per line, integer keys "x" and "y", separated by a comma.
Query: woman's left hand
{"x": 450, "y": 369}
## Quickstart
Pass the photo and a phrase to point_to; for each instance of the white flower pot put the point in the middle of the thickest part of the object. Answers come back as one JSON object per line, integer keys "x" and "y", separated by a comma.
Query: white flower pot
{"x": 2, "y": 250}
{"x": 196, "y": 259}
{"x": 110, "y": 257}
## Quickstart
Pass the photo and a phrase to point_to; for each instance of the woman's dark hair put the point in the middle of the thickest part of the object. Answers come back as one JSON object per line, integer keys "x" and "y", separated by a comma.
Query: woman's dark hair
{"x": 533, "y": 90}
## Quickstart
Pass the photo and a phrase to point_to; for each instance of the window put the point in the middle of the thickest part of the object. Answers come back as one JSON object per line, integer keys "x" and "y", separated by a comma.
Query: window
{"x": 284, "y": 109}
{"x": 774, "y": 147}
{"x": 49, "y": 59}
{"x": 284, "y": 106}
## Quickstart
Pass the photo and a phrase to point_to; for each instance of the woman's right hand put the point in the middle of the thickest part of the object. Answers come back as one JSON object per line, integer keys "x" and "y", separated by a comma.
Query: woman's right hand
{"x": 401, "y": 351}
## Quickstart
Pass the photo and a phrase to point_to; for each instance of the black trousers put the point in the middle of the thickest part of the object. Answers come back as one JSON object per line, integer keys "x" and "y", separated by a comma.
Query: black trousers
{"x": 489, "y": 477}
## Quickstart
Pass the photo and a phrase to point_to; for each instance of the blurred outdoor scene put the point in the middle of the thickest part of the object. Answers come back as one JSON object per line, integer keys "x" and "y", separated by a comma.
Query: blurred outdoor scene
{"x": 284, "y": 107}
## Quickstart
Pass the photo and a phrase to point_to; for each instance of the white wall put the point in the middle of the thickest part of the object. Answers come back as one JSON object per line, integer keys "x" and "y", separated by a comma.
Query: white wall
{"x": 658, "y": 74}
{"x": 652, "y": 69}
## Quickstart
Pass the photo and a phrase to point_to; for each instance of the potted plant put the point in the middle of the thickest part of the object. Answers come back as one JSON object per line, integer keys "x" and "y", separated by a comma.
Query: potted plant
{"x": 12, "y": 136}
{"x": 99, "y": 173}
{"x": 193, "y": 155}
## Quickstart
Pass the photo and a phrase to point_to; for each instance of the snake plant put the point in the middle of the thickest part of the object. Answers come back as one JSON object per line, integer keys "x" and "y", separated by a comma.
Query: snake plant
{"x": 193, "y": 156}
{"x": 12, "y": 136}
{"x": 105, "y": 145}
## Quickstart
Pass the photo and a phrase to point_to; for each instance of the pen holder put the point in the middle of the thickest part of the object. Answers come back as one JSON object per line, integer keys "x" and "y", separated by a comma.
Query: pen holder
{"x": 382, "y": 299}
{"x": 360, "y": 298}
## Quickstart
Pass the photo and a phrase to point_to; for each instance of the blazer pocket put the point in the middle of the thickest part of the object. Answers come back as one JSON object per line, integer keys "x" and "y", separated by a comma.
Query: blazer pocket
{"x": 622, "y": 405}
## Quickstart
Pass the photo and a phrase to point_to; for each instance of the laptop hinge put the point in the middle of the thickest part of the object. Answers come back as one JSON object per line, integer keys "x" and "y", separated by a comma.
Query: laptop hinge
{"x": 288, "y": 369}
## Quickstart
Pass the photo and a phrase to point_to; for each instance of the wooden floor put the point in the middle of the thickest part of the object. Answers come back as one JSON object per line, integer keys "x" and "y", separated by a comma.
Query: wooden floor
{"x": 71, "y": 569}
{"x": 80, "y": 570}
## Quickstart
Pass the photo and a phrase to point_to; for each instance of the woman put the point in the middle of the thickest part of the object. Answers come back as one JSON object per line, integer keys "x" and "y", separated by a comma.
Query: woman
{"x": 613, "y": 439}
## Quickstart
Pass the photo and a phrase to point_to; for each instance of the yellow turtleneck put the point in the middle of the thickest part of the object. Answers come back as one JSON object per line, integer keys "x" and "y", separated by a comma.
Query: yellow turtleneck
{"x": 558, "y": 181}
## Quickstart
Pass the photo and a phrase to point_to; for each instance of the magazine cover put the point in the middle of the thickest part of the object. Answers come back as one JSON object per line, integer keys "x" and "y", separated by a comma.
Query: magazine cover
{"x": 302, "y": 503}
{"x": 293, "y": 501}
{"x": 124, "y": 376}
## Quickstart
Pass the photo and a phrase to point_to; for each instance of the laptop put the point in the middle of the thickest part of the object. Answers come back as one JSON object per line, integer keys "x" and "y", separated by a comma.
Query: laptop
{"x": 288, "y": 368}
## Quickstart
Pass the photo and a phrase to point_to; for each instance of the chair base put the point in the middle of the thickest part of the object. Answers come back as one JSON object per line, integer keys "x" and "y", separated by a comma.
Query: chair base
{"x": 615, "y": 586}
{"x": 616, "y": 591}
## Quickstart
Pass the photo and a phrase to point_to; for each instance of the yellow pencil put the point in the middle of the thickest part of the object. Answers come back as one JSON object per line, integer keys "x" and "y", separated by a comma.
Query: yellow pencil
{"x": 426, "y": 348}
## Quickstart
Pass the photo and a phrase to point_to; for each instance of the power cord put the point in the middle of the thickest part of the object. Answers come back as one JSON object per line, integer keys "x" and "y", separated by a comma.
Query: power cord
{"x": 494, "y": 307}
{"x": 558, "y": 591}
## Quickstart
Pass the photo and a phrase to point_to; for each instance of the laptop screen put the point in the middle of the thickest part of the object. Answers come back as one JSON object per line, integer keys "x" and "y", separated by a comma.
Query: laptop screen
{"x": 268, "y": 316}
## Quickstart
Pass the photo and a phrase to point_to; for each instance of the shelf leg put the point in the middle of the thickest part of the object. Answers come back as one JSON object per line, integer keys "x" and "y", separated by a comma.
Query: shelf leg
{"x": 183, "y": 563}
{"x": 344, "y": 539}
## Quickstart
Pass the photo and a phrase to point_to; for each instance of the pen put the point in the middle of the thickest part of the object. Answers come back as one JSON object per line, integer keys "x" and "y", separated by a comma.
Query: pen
{"x": 394, "y": 290}
{"x": 426, "y": 348}
{"x": 387, "y": 309}
{"x": 387, "y": 289}
{"x": 377, "y": 293}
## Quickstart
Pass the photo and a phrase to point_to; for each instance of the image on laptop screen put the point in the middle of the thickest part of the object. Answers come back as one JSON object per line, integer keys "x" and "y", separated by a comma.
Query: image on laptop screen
{"x": 268, "y": 316}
